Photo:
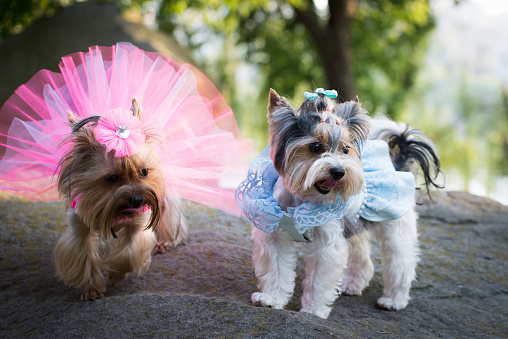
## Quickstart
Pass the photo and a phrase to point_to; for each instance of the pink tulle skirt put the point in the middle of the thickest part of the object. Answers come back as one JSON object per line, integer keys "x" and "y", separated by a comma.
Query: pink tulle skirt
{"x": 203, "y": 157}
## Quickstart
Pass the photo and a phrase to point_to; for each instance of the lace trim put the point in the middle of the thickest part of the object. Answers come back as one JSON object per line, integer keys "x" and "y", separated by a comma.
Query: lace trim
{"x": 255, "y": 198}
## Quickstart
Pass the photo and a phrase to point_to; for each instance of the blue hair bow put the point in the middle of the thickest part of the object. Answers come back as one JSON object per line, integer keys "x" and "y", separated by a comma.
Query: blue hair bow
{"x": 331, "y": 93}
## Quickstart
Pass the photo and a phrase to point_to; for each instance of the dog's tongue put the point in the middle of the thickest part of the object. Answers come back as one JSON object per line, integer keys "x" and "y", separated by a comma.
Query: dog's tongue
{"x": 133, "y": 210}
{"x": 139, "y": 210}
{"x": 330, "y": 183}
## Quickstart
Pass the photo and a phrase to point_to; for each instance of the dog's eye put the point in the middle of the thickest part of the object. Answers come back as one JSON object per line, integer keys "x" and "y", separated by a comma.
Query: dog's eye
{"x": 112, "y": 179}
{"x": 144, "y": 173}
{"x": 345, "y": 150}
{"x": 317, "y": 148}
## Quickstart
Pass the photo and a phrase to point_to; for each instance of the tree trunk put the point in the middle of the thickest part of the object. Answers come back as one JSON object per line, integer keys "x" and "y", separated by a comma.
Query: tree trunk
{"x": 333, "y": 42}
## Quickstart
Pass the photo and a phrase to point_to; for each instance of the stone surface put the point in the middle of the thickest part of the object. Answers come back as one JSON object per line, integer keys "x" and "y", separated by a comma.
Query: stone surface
{"x": 203, "y": 289}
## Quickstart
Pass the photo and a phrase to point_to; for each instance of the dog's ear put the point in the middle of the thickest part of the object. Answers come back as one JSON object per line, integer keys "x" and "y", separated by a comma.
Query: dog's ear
{"x": 277, "y": 104}
{"x": 72, "y": 118}
{"x": 273, "y": 100}
{"x": 136, "y": 108}
{"x": 282, "y": 127}
{"x": 356, "y": 119}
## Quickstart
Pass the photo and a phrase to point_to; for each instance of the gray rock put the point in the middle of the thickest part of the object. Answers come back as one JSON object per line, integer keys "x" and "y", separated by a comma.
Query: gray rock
{"x": 203, "y": 289}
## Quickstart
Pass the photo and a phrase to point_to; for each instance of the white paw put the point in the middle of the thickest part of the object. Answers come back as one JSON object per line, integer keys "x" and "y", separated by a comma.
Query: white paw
{"x": 322, "y": 312}
{"x": 392, "y": 304}
{"x": 353, "y": 285}
{"x": 263, "y": 299}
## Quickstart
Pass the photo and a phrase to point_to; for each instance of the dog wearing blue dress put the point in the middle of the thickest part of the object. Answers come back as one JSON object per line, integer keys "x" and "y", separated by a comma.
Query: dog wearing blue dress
{"x": 325, "y": 182}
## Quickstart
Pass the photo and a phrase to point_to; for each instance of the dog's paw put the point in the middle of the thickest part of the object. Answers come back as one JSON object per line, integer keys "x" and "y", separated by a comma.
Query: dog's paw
{"x": 161, "y": 247}
{"x": 164, "y": 246}
{"x": 392, "y": 304}
{"x": 322, "y": 312}
{"x": 353, "y": 285}
{"x": 263, "y": 299}
{"x": 91, "y": 294}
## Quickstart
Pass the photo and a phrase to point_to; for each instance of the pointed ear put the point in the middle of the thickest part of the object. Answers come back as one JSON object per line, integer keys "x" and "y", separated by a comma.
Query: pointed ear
{"x": 356, "y": 119}
{"x": 72, "y": 118}
{"x": 275, "y": 102}
{"x": 136, "y": 108}
{"x": 356, "y": 99}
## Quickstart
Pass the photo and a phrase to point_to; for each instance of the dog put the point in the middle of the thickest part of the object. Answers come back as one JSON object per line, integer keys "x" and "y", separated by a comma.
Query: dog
{"x": 315, "y": 164}
{"x": 119, "y": 210}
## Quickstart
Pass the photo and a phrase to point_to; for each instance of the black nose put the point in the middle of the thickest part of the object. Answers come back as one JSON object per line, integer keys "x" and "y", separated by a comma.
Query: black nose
{"x": 136, "y": 201}
{"x": 337, "y": 173}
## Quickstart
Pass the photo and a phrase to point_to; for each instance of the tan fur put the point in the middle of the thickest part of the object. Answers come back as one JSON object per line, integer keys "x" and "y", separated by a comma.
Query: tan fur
{"x": 172, "y": 229}
{"x": 87, "y": 249}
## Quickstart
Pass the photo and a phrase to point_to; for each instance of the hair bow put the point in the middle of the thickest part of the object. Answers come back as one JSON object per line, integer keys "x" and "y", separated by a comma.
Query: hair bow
{"x": 331, "y": 93}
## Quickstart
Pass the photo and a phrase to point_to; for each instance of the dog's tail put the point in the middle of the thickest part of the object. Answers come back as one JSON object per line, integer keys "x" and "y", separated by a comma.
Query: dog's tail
{"x": 410, "y": 150}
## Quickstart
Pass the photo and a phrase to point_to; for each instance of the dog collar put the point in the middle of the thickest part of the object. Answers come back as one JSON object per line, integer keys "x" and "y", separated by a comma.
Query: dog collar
{"x": 387, "y": 195}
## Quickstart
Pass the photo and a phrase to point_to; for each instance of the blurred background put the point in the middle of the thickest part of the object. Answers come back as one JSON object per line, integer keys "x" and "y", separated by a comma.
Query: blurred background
{"x": 439, "y": 65}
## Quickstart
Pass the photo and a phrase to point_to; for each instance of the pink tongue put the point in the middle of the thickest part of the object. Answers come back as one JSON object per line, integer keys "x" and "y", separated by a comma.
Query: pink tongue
{"x": 140, "y": 209}
{"x": 330, "y": 183}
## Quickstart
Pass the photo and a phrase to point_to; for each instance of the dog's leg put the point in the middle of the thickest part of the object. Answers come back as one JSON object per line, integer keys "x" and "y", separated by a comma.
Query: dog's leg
{"x": 359, "y": 268}
{"x": 274, "y": 261}
{"x": 326, "y": 258}
{"x": 77, "y": 259}
{"x": 131, "y": 251}
{"x": 172, "y": 229}
{"x": 399, "y": 246}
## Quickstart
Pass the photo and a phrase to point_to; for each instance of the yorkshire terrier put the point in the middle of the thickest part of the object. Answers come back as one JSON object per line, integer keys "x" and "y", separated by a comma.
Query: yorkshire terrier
{"x": 114, "y": 205}
{"x": 317, "y": 154}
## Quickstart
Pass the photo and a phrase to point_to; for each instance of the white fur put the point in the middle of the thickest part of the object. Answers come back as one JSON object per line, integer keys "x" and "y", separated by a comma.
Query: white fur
{"x": 398, "y": 240}
{"x": 334, "y": 265}
{"x": 275, "y": 261}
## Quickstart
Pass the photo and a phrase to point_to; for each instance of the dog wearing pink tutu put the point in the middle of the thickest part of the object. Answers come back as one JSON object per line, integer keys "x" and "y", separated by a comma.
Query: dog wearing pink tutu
{"x": 120, "y": 135}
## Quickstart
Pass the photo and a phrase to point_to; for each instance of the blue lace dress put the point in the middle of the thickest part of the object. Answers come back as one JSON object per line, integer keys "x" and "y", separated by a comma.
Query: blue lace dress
{"x": 387, "y": 195}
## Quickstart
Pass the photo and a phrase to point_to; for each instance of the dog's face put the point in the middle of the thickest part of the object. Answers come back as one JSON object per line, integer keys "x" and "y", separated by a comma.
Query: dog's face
{"x": 109, "y": 190}
{"x": 316, "y": 150}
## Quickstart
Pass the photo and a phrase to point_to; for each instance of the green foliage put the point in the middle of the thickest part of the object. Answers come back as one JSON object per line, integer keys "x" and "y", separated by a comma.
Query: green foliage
{"x": 469, "y": 128}
{"x": 15, "y": 15}
{"x": 389, "y": 42}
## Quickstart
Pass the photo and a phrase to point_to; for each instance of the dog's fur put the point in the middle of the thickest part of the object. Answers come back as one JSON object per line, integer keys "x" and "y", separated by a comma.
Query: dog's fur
{"x": 316, "y": 153}
{"x": 112, "y": 193}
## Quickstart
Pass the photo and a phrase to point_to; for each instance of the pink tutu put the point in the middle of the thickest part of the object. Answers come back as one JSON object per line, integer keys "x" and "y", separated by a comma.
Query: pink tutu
{"x": 203, "y": 157}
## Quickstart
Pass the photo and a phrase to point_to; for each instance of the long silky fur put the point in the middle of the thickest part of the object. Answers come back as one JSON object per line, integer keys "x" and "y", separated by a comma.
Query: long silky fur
{"x": 87, "y": 247}
{"x": 292, "y": 131}
{"x": 76, "y": 172}
{"x": 409, "y": 146}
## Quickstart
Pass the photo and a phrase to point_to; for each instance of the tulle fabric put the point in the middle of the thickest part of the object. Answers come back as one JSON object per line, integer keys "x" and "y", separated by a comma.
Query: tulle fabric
{"x": 203, "y": 155}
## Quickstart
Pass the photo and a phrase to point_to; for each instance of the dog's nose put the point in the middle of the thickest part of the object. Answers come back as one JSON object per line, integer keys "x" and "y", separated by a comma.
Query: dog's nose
{"x": 136, "y": 201}
{"x": 337, "y": 173}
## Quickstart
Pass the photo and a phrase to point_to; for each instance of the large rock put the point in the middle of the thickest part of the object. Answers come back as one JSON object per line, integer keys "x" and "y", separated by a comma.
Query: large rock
{"x": 203, "y": 289}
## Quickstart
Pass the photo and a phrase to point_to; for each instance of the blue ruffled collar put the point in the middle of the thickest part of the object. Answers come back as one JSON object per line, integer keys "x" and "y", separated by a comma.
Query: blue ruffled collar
{"x": 388, "y": 194}
{"x": 255, "y": 198}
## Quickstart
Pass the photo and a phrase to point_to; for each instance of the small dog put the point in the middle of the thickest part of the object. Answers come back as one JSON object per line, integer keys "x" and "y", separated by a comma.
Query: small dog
{"x": 113, "y": 202}
{"x": 317, "y": 153}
